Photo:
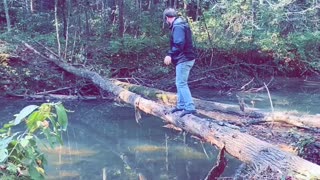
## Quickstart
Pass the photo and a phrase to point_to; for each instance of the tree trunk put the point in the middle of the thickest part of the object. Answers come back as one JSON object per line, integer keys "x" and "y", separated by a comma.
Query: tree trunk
{"x": 6, "y": 9}
{"x": 121, "y": 18}
{"x": 66, "y": 33}
{"x": 31, "y": 6}
{"x": 240, "y": 145}
{"x": 64, "y": 12}
{"x": 57, "y": 26}
{"x": 231, "y": 113}
{"x": 87, "y": 28}
{"x": 198, "y": 10}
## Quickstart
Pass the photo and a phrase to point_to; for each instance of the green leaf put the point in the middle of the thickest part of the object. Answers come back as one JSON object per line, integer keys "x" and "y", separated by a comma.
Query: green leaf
{"x": 3, "y": 155}
{"x": 24, "y": 142}
{"x": 33, "y": 119}
{"x": 6, "y": 141}
{"x": 51, "y": 139}
{"x": 8, "y": 125}
{"x": 24, "y": 113}
{"x": 62, "y": 116}
{"x": 12, "y": 168}
{"x": 34, "y": 173}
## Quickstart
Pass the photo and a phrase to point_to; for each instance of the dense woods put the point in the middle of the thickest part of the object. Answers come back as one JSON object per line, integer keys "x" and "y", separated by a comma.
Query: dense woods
{"x": 128, "y": 37}
{"x": 73, "y": 47}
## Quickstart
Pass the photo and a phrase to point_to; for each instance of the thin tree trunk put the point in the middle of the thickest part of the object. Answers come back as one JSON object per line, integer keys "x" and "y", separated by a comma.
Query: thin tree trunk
{"x": 67, "y": 28}
{"x": 198, "y": 10}
{"x": 26, "y": 5}
{"x": 121, "y": 18}
{"x": 87, "y": 28}
{"x": 63, "y": 9}
{"x": 185, "y": 5}
{"x": 175, "y": 4}
{"x": 57, "y": 26}
{"x": 6, "y": 9}
{"x": 31, "y": 6}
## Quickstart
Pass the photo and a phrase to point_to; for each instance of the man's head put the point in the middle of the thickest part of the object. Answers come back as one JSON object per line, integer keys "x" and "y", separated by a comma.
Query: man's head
{"x": 169, "y": 15}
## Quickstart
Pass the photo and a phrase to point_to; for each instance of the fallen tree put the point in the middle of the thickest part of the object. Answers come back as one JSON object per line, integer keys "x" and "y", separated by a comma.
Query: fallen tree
{"x": 246, "y": 148}
{"x": 231, "y": 113}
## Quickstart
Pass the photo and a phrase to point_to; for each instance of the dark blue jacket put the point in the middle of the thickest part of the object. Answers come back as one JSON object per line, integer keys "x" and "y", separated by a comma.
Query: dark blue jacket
{"x": 181, "y": 47}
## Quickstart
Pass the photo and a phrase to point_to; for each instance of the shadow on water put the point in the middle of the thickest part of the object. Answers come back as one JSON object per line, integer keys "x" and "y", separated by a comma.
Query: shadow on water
{"x": 104, "y": 138}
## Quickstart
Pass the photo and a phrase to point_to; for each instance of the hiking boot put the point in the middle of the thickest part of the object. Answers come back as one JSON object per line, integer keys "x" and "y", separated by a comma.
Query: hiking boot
{"x": 176, "y": 110}
{"x": 188, "y": 112}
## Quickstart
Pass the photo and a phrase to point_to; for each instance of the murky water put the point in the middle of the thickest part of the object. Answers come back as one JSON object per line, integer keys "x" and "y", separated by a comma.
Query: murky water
{"x": 287, "y": 94}
{"x": 103, "y": 138}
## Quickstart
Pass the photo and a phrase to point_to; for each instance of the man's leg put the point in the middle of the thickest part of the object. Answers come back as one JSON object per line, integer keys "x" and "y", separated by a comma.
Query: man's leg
{"x": 180, "y": 101}
{"x": 184, "y": 94}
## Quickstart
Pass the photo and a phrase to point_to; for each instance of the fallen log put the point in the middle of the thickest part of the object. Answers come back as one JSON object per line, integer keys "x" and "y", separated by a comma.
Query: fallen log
{"x": 240, "y": 145}
{"x": 54, "y": 97}
{"x": 229, "y": 112}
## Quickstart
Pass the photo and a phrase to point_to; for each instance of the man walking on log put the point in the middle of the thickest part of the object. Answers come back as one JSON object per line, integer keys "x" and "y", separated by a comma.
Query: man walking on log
{"x": 182, "y": 55}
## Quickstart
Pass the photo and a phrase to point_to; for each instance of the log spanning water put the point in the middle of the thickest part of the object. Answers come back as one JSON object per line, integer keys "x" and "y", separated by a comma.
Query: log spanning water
{"x": 240, "y": 145}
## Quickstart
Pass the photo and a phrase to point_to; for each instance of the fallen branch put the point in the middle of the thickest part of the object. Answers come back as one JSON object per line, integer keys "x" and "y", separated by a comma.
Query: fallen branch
{"x": 55, "y": 90}
{"x": 55, "y": 97}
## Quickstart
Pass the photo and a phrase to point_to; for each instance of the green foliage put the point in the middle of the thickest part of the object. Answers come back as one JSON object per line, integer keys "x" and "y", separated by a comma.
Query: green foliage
{"x": 291, "y": 38}
{"x": 36, "y": 23}
{"x": 131, "y": 45}
{"x": 305, "y": 48}
{"x": 303, "y": 143}
{"x": 286, "y": 31}
{"x": 19, "y": 151}
{"x": 159, "y": 71}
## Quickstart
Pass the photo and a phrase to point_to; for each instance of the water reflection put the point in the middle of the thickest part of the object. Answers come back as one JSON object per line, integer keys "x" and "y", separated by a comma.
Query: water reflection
{"x": 104, "y": 138}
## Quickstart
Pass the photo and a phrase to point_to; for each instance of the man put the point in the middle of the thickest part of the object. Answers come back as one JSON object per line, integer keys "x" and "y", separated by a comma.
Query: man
{"x": 182, "y": 55}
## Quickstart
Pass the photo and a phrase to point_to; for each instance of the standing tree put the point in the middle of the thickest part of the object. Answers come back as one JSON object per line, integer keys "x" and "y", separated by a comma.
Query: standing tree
{"x": 57, "y": 26}
{"x": 6, "y": 8}
{"x": 121, "y": 18}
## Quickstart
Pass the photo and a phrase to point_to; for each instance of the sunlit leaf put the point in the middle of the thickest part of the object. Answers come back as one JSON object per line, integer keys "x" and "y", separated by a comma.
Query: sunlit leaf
{"x": 40, "y": 170}
{"x": 24, "y": 113}
{"x": 8, "y": 125}
{"x": 33, "y": 120}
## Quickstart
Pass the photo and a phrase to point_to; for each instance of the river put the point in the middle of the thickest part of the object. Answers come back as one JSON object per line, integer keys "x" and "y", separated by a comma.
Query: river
{"x": 104, "y": 138}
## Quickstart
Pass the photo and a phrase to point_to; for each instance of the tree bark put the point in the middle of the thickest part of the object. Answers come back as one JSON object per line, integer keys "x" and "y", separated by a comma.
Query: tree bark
{"x": 57, "y": 26}
{"x": 121, "y": 17}
{"x": 231, "y": 113}
{"x": 240, "y": 145}
{"x": 6, "y": 9}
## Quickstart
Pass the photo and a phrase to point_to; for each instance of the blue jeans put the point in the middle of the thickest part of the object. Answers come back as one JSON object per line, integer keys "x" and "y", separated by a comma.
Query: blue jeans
{"x": 184, "y": 100}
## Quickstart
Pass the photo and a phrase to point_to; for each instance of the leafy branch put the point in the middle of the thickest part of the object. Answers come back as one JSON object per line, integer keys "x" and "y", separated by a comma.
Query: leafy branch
{"x": 19, "y": 152}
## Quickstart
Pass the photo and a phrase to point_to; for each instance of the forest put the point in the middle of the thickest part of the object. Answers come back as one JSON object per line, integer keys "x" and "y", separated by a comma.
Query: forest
{"x": 102, "y": 49}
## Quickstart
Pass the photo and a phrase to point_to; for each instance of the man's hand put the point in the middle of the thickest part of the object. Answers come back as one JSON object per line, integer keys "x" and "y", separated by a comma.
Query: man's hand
{"x": 167, "y": 60}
